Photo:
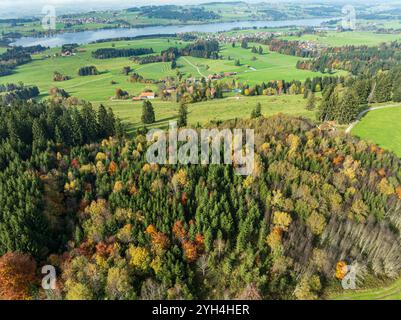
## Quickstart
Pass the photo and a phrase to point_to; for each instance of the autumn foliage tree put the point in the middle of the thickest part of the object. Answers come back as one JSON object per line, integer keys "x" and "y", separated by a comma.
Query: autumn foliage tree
{"x": 17, "y": 275}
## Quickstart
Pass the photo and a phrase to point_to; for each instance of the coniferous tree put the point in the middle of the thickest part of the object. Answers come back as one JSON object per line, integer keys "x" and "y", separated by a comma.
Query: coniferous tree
{"x": 349, "y": 107}
{"x": 105, "y": 121}
{"x": 311, "y": 104}
{"x": 148, "y": 114}
{"x": 383, "y": 88}
{"x": 182, "y": 115}
{"x": 257, "y": 112}
{"x": 397, "y": 93}
{"x": 89, "y": 123}
{"x": 38, "y": 135}
{"x": 327, "y": 108}
{"x": 173, "y": 64}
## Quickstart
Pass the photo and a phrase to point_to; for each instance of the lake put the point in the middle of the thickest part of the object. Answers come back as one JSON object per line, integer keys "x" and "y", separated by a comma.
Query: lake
{"x": 85, "y": 37}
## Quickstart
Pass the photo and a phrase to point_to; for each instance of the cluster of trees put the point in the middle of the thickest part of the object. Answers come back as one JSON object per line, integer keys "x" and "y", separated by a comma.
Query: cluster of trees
{"x": 208, "y": 49}
{"x": 108, "y": 53}
{"x": 16, "y": 56}
{"x": 69, "y": 47}
{"x": 33, "y": 126}
{"x": 173, "y": 12}
{"x": 88, "y": 71}
{"x": 11, "y": 92}
{"x": 121, "y": 94}
{"x": 189, "y": 92}
{"x": 279, "y": 87}
{"x": 141, "y": 231}
{"x": 58, "y": 77}
{"x": 257, "y": 50}
{"x": 292, "y": 48}
{"x": 344, "y": 100}
{"x": 356, "y": 59}
{"x": 136, "y": 77}
{"x": 165, "y": 56}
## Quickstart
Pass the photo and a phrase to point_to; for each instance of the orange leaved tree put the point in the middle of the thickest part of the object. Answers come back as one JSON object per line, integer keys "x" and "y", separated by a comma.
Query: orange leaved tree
{"x": 17, "y": 274}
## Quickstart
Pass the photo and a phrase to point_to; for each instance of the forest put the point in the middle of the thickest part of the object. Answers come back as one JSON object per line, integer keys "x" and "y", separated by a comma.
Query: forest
{"x": 208, "y": 49}
{"x": 77, "y": 193}
{"x": 357, "y": 59}
{"x": 177, "y": 13}
{"x": 108, "y": 53}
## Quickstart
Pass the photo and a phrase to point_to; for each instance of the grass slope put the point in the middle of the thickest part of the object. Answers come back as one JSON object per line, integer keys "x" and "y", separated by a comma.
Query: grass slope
{"x": 268, "y": 66}
{"x": 98, "y": 89}
{"x": 392, "y": 292}
{"x": 383, "y": 128}
{"x": 222, "y": 109}
{"x": 339, "y": 39}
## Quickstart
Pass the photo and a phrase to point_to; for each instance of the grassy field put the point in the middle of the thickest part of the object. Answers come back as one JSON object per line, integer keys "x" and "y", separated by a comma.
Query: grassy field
{"x": 392, "y": 292}
{"x": 386, "y": 24}
{"x": 269, "y": 66}
{"x": 221, "y": 109}
{"x": 254, "y": 68}
{"x": 40, "y": 71}
{"x": 99, "y": 89}
{"x": 338, "y": 39}
{"x": 383, "y": 128}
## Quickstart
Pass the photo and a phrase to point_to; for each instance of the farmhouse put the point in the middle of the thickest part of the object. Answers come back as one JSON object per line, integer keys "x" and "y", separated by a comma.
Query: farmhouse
{"x": 145, "y": 96}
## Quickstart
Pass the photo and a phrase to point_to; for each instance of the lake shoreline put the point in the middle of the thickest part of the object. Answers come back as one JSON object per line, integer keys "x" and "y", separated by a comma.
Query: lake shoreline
{"x": 89, "y": 36}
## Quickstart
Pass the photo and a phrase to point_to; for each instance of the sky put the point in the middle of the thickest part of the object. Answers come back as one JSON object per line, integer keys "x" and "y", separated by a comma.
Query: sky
{"x": 20, "y": 8}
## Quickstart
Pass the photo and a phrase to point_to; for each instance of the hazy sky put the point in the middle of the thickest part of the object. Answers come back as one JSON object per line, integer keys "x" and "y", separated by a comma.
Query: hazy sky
{"x": 14, "y": 8}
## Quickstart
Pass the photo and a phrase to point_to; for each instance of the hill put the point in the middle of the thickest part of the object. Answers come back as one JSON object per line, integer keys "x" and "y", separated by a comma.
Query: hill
{"x": 146, "y": 231}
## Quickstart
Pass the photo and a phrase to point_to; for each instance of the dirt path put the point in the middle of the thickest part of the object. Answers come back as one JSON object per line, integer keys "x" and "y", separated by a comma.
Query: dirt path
{"x": 360, "y": 116}
{"x": 194, "y": 66}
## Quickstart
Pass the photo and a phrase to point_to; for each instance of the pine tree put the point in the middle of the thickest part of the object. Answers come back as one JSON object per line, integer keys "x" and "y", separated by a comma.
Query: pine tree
{"x": 257, "y": 112}
{"x": 173, "y": 64}
{"x": 327, "y": 108}
{"x": 77, "y": 128}
{"x": 38, "y": 135}
{"x": 384, "y": 88}
{"x": 182, "y": 115}
{"x": 397, "y": 93}
{"x": 89, "y": 123}
{"x": 148, "y": 114}
{"x": 105, "y": 121}
{"x": 311, "y": 104}
{"x": 349, "y": 107}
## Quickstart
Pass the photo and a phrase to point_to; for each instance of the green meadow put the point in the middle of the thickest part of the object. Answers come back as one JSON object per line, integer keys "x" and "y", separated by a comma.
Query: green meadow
{"x": 391, "y": 292}
{"x": 99, "y": 88}
{"x": 203, "y": 112}
{"x": 383, "y": 128}
{"x": 339, "y": 39}
{"x": 254, "y": 68}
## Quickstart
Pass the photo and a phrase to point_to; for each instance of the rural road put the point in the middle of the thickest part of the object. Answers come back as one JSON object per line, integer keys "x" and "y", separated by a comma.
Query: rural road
{"x": 360, "y": 116}
{"x": 197, "y": 68}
